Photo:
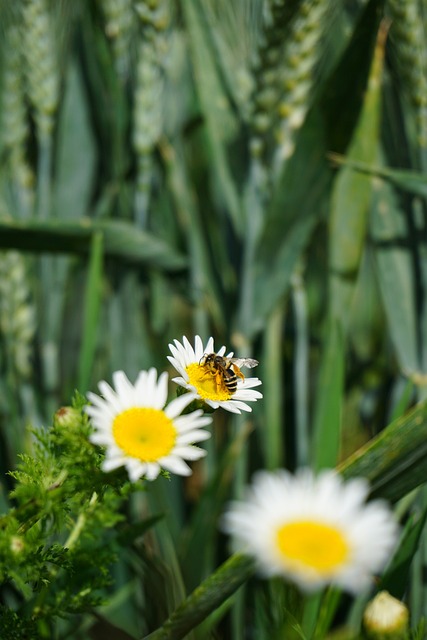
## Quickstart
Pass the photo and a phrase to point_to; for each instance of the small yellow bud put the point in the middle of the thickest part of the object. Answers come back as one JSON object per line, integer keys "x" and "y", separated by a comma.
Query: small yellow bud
{"x": 385, "y": 618}
{"x": 67, "y": 417}
{"x": 16, "y": 544}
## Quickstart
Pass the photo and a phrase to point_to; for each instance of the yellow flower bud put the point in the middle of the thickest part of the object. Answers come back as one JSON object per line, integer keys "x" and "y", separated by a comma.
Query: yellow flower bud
{"x": 385, "y": 618}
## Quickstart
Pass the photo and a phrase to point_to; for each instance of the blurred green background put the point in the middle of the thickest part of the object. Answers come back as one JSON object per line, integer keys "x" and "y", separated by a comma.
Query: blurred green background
{"x": 252, "y": 170}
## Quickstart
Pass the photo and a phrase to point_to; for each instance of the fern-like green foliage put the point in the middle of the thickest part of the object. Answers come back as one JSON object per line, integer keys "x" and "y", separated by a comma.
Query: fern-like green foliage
{"x": 59, "y": 539}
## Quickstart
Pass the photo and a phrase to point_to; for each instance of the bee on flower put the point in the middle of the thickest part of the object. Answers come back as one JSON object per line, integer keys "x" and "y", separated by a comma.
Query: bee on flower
{"x": 214, "y": 377}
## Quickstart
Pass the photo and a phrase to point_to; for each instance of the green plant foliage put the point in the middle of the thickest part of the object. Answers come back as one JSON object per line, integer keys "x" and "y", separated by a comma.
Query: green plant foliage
{"x": 58, "y": 542}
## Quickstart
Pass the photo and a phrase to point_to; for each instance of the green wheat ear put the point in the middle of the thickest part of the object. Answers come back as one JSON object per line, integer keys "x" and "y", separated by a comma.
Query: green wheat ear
{"x": 286, "y": 74}
{"x": 119, "y": 20}
{"x": 155, "y": 18}
{"x": 14, "y": 116}
{"x": 17, "y": 313}
{"x": 407, "y": 35}
{"x": 14, "y": 120}
{"x": 41, "y": 60}
{"x": 297, "y": 80}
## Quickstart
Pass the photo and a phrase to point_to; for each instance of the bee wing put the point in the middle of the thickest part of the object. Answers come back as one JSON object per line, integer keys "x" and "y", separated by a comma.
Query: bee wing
{"x": 244, "y": 362}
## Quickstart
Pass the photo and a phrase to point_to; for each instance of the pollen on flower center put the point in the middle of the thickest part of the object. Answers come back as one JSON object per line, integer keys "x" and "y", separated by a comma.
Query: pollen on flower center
{"x": 209, "y": 386}
{"x": 144, "y": 433}
{"x": 319, "y": 546}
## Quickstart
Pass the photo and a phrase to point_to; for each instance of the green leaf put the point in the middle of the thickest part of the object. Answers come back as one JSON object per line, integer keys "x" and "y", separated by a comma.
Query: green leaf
{"x": 121, "y": 240}
{"x": 404, "y": 179}
{"x": 206, "y": 598}
{"x": 290, "y": 221}
{"x": 330, "y": 388}
{"x": 395, "y": 461}
{"x": 395, "y": 579}
{"x": 92, "y": 306}
{"x": 394, "y": 266}
{"x": 220, "y": 121}
{"x": 75, "y": 156}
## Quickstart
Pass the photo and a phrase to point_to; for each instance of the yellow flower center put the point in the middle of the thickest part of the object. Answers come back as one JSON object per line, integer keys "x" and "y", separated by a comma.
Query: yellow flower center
{"x": 318, "y": 546}
{"x": 208, "y": 383}
{"x": 144, "y": 433}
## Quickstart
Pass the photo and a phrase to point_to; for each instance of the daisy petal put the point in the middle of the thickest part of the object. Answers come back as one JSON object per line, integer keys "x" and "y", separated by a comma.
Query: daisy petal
{"x": 138, "y": 429}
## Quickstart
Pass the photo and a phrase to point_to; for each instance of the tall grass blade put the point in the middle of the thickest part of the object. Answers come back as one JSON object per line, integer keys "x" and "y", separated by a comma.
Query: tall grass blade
{"x": 76, "y": 153}
{"x": 405, "y": 179}
{"x": 330, "y": 387}
{"x": 92, "y": 305}
{"x": 121, "y": 240}
{"x": 395, "y": 461}
{"x": 396, "y": 576}
{"x": 206, "y": 598}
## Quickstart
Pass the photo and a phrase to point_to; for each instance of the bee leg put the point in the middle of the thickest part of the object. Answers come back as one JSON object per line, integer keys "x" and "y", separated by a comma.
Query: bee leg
{"x": 219, "y": 380}
{"x": 207, "y": 373}
{"x": 238, "y": 372}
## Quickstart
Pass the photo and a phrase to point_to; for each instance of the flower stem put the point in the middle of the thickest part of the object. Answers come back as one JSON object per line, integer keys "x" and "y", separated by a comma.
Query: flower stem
{"x": 206, "y": 598}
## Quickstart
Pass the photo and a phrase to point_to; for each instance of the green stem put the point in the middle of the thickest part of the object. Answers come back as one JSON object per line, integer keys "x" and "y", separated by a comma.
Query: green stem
{"x": 75, "y": 533}
{"x": 206, "y": 598}
{"x": 78, "y": 527}
{"x": 301, "y": 375}
{"x": 44, "y": 176}
{"x": 272, "y": 376}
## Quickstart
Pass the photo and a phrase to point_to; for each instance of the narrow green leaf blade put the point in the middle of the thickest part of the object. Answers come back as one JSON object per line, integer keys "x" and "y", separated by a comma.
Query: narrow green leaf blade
{"x": 92, "y": 305}
{"x": 394, "y": 266}
{"x": 396, "y": 576}
{"x": 76, "y": 155}
{"x": 327, "y": 420}
{"x": 122, "y": 240}
{"x": 407, "y": 180}
{"x": 395, "y": 461}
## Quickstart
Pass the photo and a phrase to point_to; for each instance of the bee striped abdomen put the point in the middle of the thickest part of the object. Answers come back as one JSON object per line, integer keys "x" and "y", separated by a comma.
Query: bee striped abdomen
{"x": 230, "y": 380}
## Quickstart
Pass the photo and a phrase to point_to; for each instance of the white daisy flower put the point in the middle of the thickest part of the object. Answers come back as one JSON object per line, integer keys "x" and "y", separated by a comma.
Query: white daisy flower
{"x": 140, "y": 432}
{"x": 203, "y": 383}
{"x": 313, "y": 530}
